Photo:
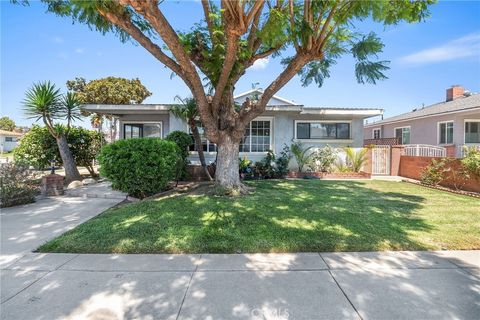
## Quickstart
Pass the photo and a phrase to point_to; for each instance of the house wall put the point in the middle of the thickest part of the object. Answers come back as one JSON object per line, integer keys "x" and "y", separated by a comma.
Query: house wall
{"x": 7, "y": 146}
{"x": 133, "y": 118}
{"x": 425, "y": 130}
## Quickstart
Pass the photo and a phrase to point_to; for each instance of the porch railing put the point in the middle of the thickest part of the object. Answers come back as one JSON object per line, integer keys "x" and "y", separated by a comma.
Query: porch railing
{"x": 424, "y": 150}
{"x": 382, "y": 142}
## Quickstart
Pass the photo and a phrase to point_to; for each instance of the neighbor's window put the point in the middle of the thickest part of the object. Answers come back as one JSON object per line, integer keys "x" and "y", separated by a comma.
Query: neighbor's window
{"x": 323, "y": 130}
{"x": 256, "y": 138}
{"x": 403, "y": 134}
{"x": 472, "y": 131}
{"x": 376, "y": 134}
{"x": 142, "y": 130}
{"x": 8, "y": 139}
{"x": 445, "y": 132}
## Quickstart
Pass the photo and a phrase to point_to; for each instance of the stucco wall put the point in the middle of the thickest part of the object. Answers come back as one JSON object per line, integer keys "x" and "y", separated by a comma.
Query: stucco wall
{"x": 425, "y": 131}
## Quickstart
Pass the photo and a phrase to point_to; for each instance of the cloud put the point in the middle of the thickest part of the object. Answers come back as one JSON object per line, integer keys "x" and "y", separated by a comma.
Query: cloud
{"x": 260, "y": 64}
{"x": 464, "y": 47}
{"x": 57, "y": 39}
{"x": 80, "y": 50}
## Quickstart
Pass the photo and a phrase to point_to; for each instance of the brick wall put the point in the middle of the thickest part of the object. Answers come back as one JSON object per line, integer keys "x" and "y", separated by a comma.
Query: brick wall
{"x": 411, "y": 167}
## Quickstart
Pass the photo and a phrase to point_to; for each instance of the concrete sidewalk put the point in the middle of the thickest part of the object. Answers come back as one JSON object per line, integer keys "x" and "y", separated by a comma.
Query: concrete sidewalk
{"x": 371, "y": 285}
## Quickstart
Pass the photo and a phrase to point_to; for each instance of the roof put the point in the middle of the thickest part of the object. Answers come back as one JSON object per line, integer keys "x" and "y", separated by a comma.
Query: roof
{"x": 467, "y": 103}
{"x": 10, "y": 133}
{"x": 260, "y": 91}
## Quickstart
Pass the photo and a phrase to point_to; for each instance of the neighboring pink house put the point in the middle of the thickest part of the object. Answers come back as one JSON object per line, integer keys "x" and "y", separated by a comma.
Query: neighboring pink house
{"x": 452, "y": 124}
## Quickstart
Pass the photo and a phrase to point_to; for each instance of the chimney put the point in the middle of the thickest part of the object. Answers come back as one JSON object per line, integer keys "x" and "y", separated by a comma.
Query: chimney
{"x": 455, "y": 92}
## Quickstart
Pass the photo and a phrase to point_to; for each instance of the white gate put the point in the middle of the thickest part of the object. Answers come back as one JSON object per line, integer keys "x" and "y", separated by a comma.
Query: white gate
{"x": 381, "y": 160}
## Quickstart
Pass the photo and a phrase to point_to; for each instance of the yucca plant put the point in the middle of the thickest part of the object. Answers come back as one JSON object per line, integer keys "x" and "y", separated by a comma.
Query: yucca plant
{"x": 44, "y": 101}
{"x": 188, "y": 111}
{"x": 356, "y": 159}
{"x": 300, "y": 152}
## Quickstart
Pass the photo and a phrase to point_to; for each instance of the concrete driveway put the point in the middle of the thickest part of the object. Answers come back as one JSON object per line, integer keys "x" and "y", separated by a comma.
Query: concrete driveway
{"x": 370, "y": 285}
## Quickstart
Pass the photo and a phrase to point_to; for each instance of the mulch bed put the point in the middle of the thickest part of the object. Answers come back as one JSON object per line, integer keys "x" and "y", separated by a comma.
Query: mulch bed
{"x": 462, "y": 192}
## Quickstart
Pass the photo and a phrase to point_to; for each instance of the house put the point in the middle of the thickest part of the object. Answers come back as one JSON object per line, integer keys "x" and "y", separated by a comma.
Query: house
{"x": 8, "y": 140}
{"x": 452, "y": 124}
{"x": 282, "y": 122}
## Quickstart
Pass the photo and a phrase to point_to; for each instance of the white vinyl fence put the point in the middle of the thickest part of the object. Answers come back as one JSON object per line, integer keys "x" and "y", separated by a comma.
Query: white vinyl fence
{"x": 424, "y": 150}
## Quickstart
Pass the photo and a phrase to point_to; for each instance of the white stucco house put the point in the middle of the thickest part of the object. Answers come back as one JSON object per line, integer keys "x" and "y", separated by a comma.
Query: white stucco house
{"x": 8, "y": 140}
{"x": 282, "y": 122}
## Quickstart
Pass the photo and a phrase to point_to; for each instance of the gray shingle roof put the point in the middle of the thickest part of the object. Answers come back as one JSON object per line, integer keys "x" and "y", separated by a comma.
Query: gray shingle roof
{"x": 459, "y": 104}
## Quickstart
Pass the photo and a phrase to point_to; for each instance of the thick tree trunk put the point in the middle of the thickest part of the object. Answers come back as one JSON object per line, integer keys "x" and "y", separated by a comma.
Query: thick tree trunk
{"x": 226, "y": 174}
{"x": 201, "y": 155}
{"x": 71, "y": 171}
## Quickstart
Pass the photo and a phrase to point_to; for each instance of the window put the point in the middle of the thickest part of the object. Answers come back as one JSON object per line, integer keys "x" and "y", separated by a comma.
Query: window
{"x": 142, "y": 130}
{"x": 323, "y": 130}
{"x": 472, "y": 131}
{"x": 376, "y": 134}
{"x": 445, "y": 132}
{"x": 404, "y": 134}
{"x": 207, "y": 146}
{"x": 8, "y": 139}
{"x": 257, "y": 138}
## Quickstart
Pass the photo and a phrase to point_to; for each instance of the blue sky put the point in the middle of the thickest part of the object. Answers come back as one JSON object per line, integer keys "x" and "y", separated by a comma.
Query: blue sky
{"x": 426, "y": 58}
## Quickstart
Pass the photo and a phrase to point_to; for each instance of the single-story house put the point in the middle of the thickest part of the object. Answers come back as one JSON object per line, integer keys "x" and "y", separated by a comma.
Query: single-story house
{"x": 282, "y": 122}
{"x": 8, "y": 140}
{"x": 453, "y": 124}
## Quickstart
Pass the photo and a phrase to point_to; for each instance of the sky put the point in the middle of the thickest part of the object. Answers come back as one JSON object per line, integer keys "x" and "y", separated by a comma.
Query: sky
{"x": 425, "y": 59}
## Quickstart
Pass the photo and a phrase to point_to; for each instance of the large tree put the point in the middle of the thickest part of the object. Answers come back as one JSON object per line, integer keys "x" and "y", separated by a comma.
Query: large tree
{"x": 7, "y": 124}
{"x": 311, "y": 35}
{"x": 109, "y": 90}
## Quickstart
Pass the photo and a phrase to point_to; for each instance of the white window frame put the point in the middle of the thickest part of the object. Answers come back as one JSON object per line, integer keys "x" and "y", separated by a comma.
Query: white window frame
{"x": 446, "y": 137}
{"x": 464, "y": 133}
{"x": 403, "y": 127}
{"x": 262, "y": 118}
{"x": 141, "y": 122}
{"x": 349, "y": 140}
{"x": 380, "y": 132}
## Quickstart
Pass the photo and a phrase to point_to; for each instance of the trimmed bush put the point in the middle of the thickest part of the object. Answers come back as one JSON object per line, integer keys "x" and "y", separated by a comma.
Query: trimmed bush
{"x": 141, "y": 167}
{"x": 183, "y": 140}
{"x": 16, "y": 185}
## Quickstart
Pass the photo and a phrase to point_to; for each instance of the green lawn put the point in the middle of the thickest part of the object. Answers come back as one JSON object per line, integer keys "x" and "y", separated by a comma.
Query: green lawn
{"x": 286, "y": 216}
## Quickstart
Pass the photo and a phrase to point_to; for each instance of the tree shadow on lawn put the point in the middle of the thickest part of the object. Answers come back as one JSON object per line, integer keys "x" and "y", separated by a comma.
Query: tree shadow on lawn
{"x": 281, "y": 216}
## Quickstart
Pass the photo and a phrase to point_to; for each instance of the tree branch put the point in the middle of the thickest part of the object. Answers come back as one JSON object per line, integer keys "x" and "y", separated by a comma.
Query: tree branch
{"x": 206, "y": 11}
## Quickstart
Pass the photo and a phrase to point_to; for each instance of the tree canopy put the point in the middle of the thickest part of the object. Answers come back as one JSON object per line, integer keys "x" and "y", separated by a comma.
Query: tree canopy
{"x": 7, "y": 124}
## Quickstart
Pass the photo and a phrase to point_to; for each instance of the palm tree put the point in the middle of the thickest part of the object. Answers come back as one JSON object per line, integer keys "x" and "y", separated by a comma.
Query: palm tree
{"x": 300, "y": 152}
{"x": 188, "y": 111}
{"x": 44, "y": 101}
{"x": 356, "y": 160}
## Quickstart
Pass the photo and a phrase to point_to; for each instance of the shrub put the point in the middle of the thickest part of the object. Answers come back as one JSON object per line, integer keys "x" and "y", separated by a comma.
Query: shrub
{"x": 300, "y": 152}
{"x": 323, "y": 159}
{"x": 471, "y": 161}
{"x": 282, "y": 162}
{"x": 266, "y": 167}
{"x": 434, "y": 173}
{"x": 141, "y": 167}
{"x": 16, "y": 185}
{"x": 356, "y": 159}
{"x": 183, "y": 140}
{"x": 38, "y": 147}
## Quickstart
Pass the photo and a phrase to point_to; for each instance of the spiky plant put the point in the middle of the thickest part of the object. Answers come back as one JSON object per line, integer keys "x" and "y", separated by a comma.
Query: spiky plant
{"x": 356, "y": 159}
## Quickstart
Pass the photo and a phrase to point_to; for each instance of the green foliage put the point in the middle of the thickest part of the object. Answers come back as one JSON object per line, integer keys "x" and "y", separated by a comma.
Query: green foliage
{"x": 183, "y": 140}
{"x": 16, "y": 185}
{"x": 323, "y": 159}
{"x": 434, "y": 173}
{"x": 283, "y": 161}
{"x": 356, "y": 159}
{"x": 141, "y": 167}
{"x": 109, "y": 90}
{"x": 38, "y": 147}
{"x": 7, "y": 124}
{"x": 471, "y": 161}
{"x": 301, "y": 154}
{"x": 43, "y": 100}
{"x": 186, "y": 110}
{"x": 265, "y": 169}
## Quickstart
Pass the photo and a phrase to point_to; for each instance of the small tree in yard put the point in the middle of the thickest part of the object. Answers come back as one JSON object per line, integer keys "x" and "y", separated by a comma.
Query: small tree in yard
{"x": 44, "y": 101}
{"x": 188, "y": 111}
{"x": 7, "y": 124}
{"x": 313, "y": 35}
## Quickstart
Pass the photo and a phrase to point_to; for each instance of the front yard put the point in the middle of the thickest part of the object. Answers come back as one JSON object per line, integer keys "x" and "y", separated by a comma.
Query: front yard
{"x": 285, "y": 216}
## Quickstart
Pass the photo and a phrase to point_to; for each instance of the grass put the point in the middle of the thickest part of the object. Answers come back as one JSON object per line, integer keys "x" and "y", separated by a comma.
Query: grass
{"x": 285, "y": 216}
